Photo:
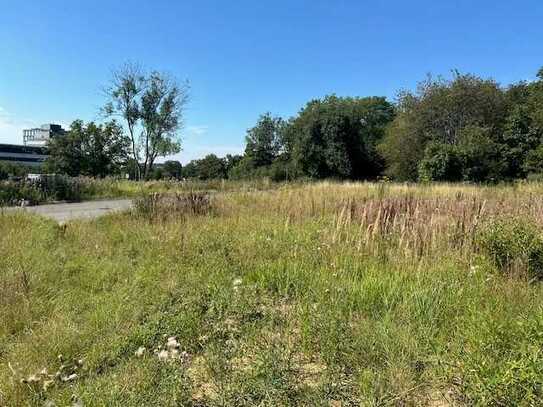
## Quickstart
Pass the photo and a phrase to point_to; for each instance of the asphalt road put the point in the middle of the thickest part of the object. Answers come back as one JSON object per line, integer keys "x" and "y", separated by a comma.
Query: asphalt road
{"x": 63, "y": 212}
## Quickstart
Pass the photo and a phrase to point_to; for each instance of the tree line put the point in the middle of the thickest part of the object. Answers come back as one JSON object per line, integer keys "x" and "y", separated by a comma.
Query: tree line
{"x": 465, "y": 128}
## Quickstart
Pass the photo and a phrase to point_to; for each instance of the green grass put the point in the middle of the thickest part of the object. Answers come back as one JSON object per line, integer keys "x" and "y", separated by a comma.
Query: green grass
{"x": 279, "y": 298}
{"x": 114, "y": 188}
{"x": 76, "y": 189}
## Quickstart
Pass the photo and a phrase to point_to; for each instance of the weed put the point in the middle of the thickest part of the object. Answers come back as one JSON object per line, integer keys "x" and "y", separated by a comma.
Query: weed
{"x": 156, "y": 205}
{"x": 326, "y": 294}
{"x": 514, "y": 244}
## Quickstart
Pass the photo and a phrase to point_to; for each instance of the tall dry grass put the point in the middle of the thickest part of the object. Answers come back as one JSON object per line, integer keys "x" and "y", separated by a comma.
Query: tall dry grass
{"x": 408, "y": 220}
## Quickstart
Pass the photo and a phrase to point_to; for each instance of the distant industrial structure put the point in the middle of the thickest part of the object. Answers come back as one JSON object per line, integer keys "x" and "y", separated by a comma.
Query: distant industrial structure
{"x": 34, "y": 151}
{"x": 23, "y": 155}
{"x": 40, "y": 136}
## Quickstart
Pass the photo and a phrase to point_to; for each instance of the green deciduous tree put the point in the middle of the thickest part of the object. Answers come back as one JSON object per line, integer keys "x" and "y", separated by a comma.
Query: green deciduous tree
{"x": 172, "y": 169}
{"x": 91, "y": 149}
{"x": 151, "y": 106}
{"x": 438, "y": 112}
{"x": 264, "y": 140}
{"x": 481, "y": 154}
{"x": 441, "y": 162}
{"x": 209, "y": 167}
{"x": 337, "y": 137}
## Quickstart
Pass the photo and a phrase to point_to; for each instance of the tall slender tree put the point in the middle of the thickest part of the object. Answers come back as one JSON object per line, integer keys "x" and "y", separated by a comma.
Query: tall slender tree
{"x": 152, "y": 107}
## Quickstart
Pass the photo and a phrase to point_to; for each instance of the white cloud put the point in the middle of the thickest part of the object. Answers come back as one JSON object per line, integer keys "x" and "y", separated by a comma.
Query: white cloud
{"x": 196, "y": 131}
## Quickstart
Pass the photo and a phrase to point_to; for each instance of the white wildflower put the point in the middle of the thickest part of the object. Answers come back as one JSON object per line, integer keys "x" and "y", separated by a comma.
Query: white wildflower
{"x": 172, "y": 343}
{"x": 69, "y": 378}
{"x": 163, "y": 355}
{"x": 174, "y": 354}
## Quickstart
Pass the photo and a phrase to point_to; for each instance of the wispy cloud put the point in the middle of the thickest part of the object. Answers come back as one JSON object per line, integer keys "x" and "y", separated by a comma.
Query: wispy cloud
{"x": 196, "y": 131}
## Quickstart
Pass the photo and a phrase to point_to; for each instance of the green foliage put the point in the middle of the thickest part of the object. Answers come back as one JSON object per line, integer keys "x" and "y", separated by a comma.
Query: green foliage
{"x": 402, "y": 146}
{"x": 161, "y": 113}
{"x": 475, "y": 158}
{"x": 47, "y": 188}
{"x": 533, "y": 163}
{"x": 441, "y": 162}
{"x": 151, "y": 104}
{"x": 243, "y": 169}
{"x": 520, "y": 138}
{"x": 337, "y": 137}
{"x": 280, "y": 170}
{"x": 277, "y": 300}
{"x": 15, "y": 170}
{"x": 481, "y": 156}
{"x": 212, "y": 167}
{"x": 232, "y": 161}
{"x": 439, "y": 112}
{"x": 90, "y": 150}
{"x": 514, "y": 243}
{"x": 516, "y": 372}
{"x": 264, "y": 140}
{"x": 209, "y": 167}
{"x": 12, "y": 193}
{"x": 168, "y": 170}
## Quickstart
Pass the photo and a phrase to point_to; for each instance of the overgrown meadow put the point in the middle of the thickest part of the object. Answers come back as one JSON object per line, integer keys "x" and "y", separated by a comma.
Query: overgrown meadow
{"x": 323, "y": 294}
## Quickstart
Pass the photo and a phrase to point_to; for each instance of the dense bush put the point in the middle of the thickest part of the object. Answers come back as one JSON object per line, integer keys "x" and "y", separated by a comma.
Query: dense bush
{"x": 13, "y": 193}
{"x": 15, "y": 170}
{"x": 59, "y": 188}
{"x": 513, "y": 244}
{"x": 475, "y": 157}
{"x": 46, "y": 189}
{"x": 4, "y": 174}
{"x": 442, "y": 162}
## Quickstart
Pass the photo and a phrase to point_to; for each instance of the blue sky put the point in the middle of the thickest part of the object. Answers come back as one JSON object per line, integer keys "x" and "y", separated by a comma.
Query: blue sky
{"x": 244, "y": 58}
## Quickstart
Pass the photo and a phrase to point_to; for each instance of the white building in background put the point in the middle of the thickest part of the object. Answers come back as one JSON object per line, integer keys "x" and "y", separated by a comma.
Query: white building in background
{"x": 40, "y": 136}
{"x": 34, "y": 152}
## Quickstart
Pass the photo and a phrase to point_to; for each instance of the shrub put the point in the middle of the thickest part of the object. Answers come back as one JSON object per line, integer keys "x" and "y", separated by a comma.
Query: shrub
{"x": 15, "y": 170}
{"x": 47, "y": 188}
{"x": 513, "y": 243}
{"x": 441, "y": 162}
{"x": 59, "y": 188}
{"x": 3, "y": 173}
{"x": 158, "y": 205}
{"x": 12, "y": 193}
